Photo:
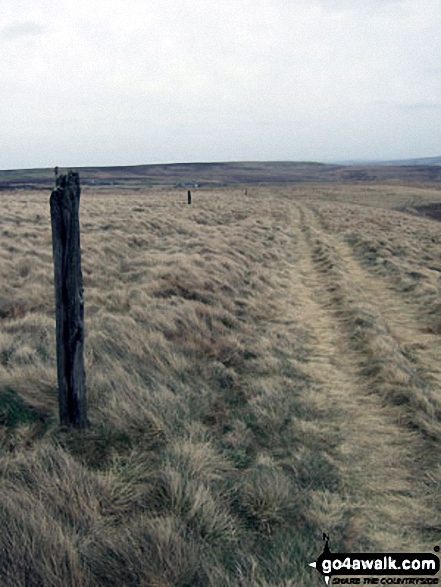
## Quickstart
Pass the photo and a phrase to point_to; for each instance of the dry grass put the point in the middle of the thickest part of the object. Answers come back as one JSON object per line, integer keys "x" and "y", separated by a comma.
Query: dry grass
{"x": 260, "y": 369}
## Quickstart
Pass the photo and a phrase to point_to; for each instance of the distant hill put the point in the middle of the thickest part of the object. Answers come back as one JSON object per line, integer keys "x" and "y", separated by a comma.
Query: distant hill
{"x": 395, "y": 162}
{"x": 178, "y": 174}
{"x": 420, "y": 161}
{"x": 228, "y": 173}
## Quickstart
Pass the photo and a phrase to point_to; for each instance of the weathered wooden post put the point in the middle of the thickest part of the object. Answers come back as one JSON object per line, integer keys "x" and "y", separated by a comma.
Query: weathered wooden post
{"x": 64, "y": 202}
{"x": 189, "y": 196}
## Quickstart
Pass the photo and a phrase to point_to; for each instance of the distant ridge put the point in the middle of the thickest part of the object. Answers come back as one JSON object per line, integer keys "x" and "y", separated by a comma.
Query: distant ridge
{"x": 396, "y": 162}
{"x": 420, "y": 161}
{"x": 179, "y": 175}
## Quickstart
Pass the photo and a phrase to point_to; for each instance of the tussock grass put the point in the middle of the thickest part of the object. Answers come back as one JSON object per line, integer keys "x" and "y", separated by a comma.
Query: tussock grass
{"x": 234, "y": 353}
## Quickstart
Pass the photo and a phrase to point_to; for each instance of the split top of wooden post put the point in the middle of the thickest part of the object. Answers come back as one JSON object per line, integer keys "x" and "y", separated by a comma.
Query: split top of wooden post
{"x": 71, "y": 178}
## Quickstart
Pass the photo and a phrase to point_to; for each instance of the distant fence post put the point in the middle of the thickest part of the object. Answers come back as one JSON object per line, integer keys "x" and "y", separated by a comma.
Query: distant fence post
{"x": 64, "y": 203}
{"x": 189, "y": 196}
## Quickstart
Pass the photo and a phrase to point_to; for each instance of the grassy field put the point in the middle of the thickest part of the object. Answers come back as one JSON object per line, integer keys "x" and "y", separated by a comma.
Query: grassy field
{"x": 261, "y": 369}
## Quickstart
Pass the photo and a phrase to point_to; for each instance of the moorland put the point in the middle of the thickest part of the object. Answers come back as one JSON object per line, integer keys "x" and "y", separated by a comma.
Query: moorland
{"x": 262, "y": 367}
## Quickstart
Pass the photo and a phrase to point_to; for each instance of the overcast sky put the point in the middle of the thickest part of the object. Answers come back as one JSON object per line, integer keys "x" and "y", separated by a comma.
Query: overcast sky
{"x": 122, "y": 82}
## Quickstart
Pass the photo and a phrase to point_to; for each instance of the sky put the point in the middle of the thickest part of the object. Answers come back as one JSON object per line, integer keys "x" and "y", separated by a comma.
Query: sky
{"x": 127, "y": 82}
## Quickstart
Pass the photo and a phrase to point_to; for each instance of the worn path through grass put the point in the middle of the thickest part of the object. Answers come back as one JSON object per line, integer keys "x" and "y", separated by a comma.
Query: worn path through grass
{"x": 383, "y": 394}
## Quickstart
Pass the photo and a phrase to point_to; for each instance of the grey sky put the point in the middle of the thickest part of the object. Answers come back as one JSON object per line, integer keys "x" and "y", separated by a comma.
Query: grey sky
{"x": 97, "y": 82}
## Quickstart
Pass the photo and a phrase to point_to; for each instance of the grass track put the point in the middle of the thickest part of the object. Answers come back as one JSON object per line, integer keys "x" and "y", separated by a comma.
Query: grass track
{"x": 369, "y": 335}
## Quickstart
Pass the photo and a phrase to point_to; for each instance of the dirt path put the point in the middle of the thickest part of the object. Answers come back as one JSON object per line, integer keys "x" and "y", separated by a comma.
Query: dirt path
{"x": 370, "y": 375}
